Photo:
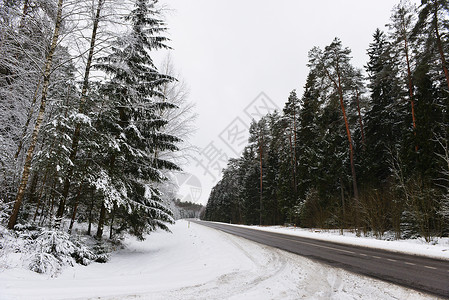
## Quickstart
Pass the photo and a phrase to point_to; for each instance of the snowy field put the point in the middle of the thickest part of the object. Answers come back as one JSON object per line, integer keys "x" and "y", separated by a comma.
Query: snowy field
{"x": 196, "y": 262}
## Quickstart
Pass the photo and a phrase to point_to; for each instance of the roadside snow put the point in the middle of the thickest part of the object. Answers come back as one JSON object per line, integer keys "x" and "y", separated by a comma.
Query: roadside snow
{"x": 196, "y": 262}
{"x": 438, "y": 248}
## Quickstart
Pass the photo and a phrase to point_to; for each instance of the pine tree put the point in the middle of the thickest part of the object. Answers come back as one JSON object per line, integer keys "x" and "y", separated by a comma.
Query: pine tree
{"x": 333, "y": 65}
{"x": 403, "y": 19}
{"x": 433, "y": 28}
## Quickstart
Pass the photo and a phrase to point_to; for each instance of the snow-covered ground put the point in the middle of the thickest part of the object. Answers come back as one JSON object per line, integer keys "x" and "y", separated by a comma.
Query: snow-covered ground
{"x": 438, "y": 248}
{"x": 197, "y": 262}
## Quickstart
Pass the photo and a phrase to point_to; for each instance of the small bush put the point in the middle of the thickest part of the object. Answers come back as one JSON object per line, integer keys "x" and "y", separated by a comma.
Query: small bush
{"x": 101, "y": 252}
{"x": 83, "y": 255}
{"x": 52, "y": 250}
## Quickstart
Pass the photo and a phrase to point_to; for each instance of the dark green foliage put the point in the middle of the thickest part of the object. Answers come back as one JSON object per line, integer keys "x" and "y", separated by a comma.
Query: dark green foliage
{"x": 402, "y": 171}
{"x": 131, "y": 125}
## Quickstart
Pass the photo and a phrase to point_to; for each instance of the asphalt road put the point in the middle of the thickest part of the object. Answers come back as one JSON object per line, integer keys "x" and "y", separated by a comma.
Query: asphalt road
{"x": 420, "y": 273}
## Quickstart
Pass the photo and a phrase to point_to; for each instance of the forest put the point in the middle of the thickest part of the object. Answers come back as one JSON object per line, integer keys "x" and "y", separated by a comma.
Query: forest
{"x": 91, "y": 129}
{"x": 362, "y": 148}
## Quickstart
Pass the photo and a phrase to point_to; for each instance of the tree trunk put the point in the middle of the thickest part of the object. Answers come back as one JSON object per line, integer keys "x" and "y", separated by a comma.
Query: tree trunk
{"x": 75, "y": 206}
{"x": 338, "y": 86}
{"x": 103, "y": 208}
{"x": 45, "y": 204}
{"x": 52, "y": 201}
{"x": 351, "y": 149}
{"x": 409, "y": 77}
{"x": 440, "y": 45}
{"x": 111, "y": 229}
{"x": 89, "y": 228}
{"x": 76, "y": 134}
{"x": 360, "y": 120}
{"x": 29, "y": 116}
{"x": 39, "y": 199}
{"x": 101, "y": 221}
{"x": 30, "y": 152}
{"x": 33, "y": 186}
{"x": 292, "y": 162}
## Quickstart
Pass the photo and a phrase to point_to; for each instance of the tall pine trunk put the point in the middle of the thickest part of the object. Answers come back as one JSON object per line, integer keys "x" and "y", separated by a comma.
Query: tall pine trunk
{"x": 409, "y": 76}
{"x": 360, "y": 120}
{"x": 338, "y": 86}
{"x": 76, "y": 134}
{"x": 30, "y": 152}
{"x": 351, "y": 153}
{"x": 440, "y": 45}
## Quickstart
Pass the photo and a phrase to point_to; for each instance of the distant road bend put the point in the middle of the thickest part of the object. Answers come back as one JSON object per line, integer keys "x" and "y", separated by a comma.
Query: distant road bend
{"x": 416, "y": 272}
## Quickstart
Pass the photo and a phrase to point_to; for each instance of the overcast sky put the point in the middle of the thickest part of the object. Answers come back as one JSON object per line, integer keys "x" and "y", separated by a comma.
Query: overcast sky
{"x": 229, "y": 52}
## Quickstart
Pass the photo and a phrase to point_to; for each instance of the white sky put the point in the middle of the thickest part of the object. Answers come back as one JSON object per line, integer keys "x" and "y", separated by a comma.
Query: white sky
{"x": 230, "y": 51}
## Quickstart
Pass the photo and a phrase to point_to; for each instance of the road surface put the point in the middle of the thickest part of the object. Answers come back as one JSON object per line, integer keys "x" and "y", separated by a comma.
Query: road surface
{"x": 416, "y": 272}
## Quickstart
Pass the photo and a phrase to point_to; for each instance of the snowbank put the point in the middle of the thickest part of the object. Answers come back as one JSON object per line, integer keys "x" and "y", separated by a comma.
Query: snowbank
{"x": 439, "y": 248}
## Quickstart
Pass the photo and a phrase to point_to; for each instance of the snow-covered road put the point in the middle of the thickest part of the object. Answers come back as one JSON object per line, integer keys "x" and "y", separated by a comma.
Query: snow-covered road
{"x": 196, "y": 262}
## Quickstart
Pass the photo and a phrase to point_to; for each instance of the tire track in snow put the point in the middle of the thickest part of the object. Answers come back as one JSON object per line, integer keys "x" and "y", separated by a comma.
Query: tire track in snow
{"x": 264, "y": 267}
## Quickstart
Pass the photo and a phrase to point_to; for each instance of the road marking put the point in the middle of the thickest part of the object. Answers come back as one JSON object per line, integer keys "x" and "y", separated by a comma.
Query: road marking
{"x": 270, "y": 234}
{"x": 312, "y": 244}
{"x": 331, "y": 248}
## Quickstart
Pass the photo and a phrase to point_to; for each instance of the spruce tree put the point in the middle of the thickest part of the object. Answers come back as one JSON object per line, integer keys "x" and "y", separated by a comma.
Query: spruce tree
{"x": 291, "y": 114}
{"x": 308, "y": 135}
{"x": 132, "y": 125}
{"x": 385, "y": 117}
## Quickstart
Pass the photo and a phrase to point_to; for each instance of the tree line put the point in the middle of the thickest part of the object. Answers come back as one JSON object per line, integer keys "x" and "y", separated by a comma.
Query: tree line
{"x": 90, "y": 126}
{"x": 362, "y": 149}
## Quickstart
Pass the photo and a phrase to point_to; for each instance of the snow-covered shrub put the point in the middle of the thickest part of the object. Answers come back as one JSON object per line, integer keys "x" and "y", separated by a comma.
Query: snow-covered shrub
{"x": 47, "y": 251}
{"x": 45, "y": 263}
{"x": 83, "y": 255}
{"x": 53, "y": 250}
{"x": 4, "y": 212}
{"x": 7, "y": 246}
{"x": 101, "y": 251}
